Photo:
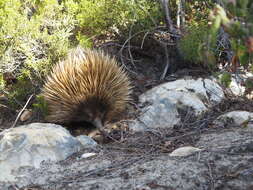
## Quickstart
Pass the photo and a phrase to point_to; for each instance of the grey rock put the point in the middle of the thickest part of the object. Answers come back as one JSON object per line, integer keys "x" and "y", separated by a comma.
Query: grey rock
{"x": 160, "y": 114}
{"x": 237, "y": 86}
{"x": 29, "y": 145}
{"x": 239, "y": 117}
{"x": 86, "y": 141}
{"x": 225, "y": 162}
{"x": 164, "y": 101}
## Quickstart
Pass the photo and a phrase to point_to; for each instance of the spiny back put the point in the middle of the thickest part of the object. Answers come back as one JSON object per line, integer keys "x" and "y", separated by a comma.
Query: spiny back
{"x": 87, "y": 82}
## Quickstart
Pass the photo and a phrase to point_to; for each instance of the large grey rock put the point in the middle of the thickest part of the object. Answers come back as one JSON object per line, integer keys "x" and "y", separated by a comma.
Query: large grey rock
{"x": 31, "y": 144}
{"x": 225, "y": 162}
{"x": 165, "y": 100}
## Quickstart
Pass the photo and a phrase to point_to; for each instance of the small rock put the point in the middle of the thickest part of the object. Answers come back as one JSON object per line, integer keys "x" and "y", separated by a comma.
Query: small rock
{"x": 87, "y": 155}
{"x": 26, "y": 115}
{"x": 185, "y": 151}
{"x": 237, "y": 81}
{"x": 239, "y": 117}
{"x": 86, "y": 141}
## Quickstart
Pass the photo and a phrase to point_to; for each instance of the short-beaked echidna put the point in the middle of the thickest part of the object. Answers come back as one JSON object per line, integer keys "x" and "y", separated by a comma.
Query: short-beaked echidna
{"x": 87, "y": 86}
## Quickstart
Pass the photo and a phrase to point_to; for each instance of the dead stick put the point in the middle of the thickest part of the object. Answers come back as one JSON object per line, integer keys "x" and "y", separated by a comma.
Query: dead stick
{"x": 167, "y": 62}
{"x": 20, "y": 113}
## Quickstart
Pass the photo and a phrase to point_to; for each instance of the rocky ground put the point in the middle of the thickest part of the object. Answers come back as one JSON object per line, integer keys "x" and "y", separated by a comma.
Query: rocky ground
{"x": 144, "y": 161}
{"x": 186, "y": 134}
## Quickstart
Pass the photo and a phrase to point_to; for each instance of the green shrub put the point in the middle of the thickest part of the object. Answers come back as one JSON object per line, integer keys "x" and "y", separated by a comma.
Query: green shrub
{"x": 35, "y": 34}
{"x": 2, "y": 83}
{"x": 101, "y": 17}
{"x": 192, "y": 42}
{"x": 41, "y": 105}
{"x": 226, "y": 79}
{"x": 31, "y": 42}
{"x": 239, "y": 26}
{"x": 192, "y": 45}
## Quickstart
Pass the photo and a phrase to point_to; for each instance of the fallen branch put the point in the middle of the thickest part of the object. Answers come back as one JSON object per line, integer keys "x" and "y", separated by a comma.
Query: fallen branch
{"x": 20, "y": 113}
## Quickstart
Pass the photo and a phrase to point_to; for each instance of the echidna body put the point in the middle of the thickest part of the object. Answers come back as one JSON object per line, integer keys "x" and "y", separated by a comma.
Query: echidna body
{"x": 88, "y": 86}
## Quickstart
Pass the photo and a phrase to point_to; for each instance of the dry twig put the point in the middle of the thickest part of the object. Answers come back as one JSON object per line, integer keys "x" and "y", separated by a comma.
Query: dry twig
{"x": 20, "y": 113}
{"x": 168, "y": 20}
{"x": 167, "y": 62}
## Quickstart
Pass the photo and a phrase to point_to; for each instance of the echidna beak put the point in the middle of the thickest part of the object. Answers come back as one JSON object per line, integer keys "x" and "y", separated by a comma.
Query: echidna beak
{"x": 98, "y": 124}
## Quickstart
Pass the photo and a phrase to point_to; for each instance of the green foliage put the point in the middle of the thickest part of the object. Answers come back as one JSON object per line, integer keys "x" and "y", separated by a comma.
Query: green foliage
{"x": 36, "y": 34}
{"x": 196, "y": 11}
{"x": 100, "y": 17}
{"x": 201, "y": 45}
{"x": 194, "y": 44}
{"x": 191, "y": 43}
{"x": 2, "y": 83}
{"x": 226, "y": 79}
{"x": 249, "y": 83}
{"x": 18, "y": 92}
{"x": 239, "y": 26}
{"x": 83, "y": 40}
{"x": 33, "y": 36}
{"x": 241, "y": 30}
{"x": 41, "y": 105}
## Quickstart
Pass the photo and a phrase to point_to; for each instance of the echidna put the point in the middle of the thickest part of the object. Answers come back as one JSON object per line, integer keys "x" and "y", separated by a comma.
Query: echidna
{"x": 88, "y": 86}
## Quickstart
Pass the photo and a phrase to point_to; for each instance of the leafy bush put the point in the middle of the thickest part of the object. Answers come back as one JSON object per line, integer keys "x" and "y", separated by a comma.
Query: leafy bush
{"x": 33, "y": 36}
{"x": 229, "y": 37}
{"x": 239, "y": 26}
{"x": 226, "y": 79}
{"x": 41, "y": 105}
{"x": 101, "y": 17}
{"x": 192, "y": 42}
{"x": 36, "y": 34}
{"x": 195, "y": 12}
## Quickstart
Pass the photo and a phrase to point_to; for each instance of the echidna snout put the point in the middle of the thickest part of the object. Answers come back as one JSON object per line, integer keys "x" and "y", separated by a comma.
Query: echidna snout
{"x": 92, "y": 113}
{"x": 87, "y": 86}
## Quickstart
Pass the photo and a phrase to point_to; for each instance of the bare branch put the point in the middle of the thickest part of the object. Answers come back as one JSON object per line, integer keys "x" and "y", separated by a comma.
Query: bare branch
{"x": 168, "y": 20}
{"x": 167, "y": 62}
{"x": 20, "y": 113}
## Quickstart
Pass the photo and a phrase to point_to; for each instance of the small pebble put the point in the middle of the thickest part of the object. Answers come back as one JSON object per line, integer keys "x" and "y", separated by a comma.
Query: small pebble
{"x": 185, "y": 151}
{"x": 87, "y": 155}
